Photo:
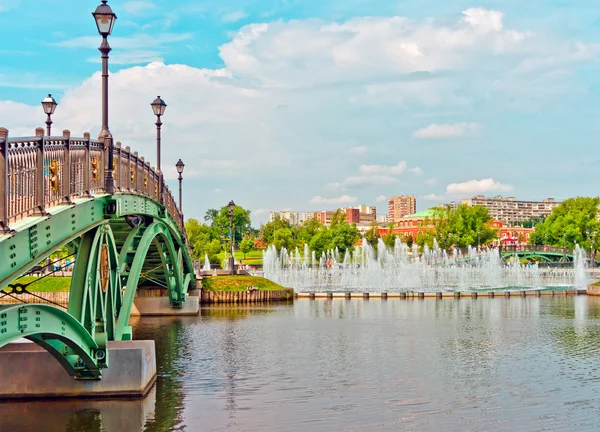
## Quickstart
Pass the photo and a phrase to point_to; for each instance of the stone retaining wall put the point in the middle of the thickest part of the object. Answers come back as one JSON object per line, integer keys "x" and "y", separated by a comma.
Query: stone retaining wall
{"x": 593, "y": 290}
{"x": 208, "y": 297}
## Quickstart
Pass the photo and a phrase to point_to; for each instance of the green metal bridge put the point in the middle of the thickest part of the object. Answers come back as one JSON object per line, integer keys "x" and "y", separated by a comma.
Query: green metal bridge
{"x": 542, "y": 254}
{"x": 53, "y": 194}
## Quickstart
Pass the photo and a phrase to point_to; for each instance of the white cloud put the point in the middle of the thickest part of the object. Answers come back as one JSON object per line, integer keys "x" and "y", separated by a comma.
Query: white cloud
{"x": 140, "y": 41}
{"x": 250, "y": 112}
{"x": 433, "y": 197}
{"x": 431, "y": 182}
{"x": 138, "y": 7}
{"x": 357, "y": 182}
{"x": 6, "y": 5}
{"x": 347, "y": 51}
{"x": 382, "y": 170}
{"x": 131, "y": 57}
{"x": 234, "y": 16}
{"x": 455, "y": 130}
{"x": 381, "y": 198}
{"x": 477, "y": 187}
{"x": 217, "y": 190}
{"x": 260, "y": 211}
{"x": 416, "y": 170}
{"x": 358, "y": 151}
{"x": 344, "y": 199}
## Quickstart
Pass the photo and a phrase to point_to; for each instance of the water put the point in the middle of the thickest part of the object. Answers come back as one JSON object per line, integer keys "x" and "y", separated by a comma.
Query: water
{"x": 518, "y": 363}
{"x": 402, "y": 268}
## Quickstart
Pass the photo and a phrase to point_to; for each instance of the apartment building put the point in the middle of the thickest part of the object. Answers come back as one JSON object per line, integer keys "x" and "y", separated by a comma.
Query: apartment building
{"x": 400, "y": 206}
{"x": 509, "y": 210}
{"x": 292, "y": 217}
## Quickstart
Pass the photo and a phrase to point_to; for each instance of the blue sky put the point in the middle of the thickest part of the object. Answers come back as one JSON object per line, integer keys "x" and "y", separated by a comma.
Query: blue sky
{"x": 311, "y": 105}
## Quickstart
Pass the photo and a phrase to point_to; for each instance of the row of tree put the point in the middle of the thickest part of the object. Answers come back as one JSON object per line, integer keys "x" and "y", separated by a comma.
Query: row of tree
{"x": 212, "y": 237}
{"x": 575, "y": 221}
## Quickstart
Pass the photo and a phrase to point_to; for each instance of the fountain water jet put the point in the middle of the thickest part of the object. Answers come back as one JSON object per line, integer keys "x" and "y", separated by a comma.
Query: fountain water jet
{"x": 402, "y": 269}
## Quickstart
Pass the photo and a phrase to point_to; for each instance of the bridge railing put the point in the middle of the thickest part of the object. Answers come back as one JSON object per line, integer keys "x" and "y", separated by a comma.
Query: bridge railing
{"x": 533, "y": 248}
{"x": 40, "y": 172}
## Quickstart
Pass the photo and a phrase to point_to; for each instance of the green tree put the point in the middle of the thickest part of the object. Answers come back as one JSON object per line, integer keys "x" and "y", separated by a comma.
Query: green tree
{"x": 573, "y": 221}
{"x": 268, "y": 230}
{"x": 203, "y": 240}
{"x": 241, "y": 223}
{"x": 246, "y": 246}
{"x": 390, "y": 238}
{"x": 308, "y": 230}
{"x": 463, "y": 226}
{"x": 283, "y": 238}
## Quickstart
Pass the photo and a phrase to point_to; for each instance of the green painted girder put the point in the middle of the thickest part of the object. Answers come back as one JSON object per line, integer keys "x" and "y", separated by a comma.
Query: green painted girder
{"x": 101, "y": 296}
{"x": 35, "y": 238}
{"x": 56, "y": 331}
{"x": 548, "y": 256}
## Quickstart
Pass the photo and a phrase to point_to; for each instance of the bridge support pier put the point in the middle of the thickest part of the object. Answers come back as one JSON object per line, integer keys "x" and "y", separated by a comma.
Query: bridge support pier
{"x": 29, "y": 371}
{"x": 160, "y": 306}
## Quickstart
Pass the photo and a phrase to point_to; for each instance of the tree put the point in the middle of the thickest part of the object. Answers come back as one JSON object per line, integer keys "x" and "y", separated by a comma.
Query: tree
{"x": 390, "y": 238}
{"x": 283, "y": 238}
{"x": 203, "y": 241}
{"x": 241, "y": 223}
{"x": 211, "y": 216}
{"x": 463, "y": 226}
{"x": 268, "y": 231}
{"x": 573, "y": 221}
{"x": 308, "y": 230}
{"x": 246, "y": 246}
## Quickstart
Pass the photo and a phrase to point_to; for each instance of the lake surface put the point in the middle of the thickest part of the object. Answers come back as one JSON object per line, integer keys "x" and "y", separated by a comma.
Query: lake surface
{"x": 527, "y": 364}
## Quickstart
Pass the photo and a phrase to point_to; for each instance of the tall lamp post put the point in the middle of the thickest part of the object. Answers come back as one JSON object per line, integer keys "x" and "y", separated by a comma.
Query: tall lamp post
{"x": 49, "y": 105}
{"x": 180, "y": 165}
{"x": 230, "y": 208}
{"x": 105, "y": 21}
{"x": 158, "y": 107}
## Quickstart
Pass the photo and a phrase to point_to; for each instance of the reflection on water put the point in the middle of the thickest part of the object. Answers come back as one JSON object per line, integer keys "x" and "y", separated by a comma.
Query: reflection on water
{"x": 334, "y": 364}
{"x": 78, "y": 415}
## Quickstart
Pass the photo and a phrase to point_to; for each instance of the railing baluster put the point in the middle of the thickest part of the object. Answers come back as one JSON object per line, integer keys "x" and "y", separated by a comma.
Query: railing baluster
{"x": 40, "y": 180}
{"x": 134, "y": 172}
{"x": 87, "y": 162}
{"x": 4, "y": 180}
{"x": 67, "y": 175}
{"x": 117, "y": 165}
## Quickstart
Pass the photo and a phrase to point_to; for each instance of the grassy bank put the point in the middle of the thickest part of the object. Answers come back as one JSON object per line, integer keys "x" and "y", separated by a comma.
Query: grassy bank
{"x": 253, "y": 258}
{"x": 238, "y": 283}
{"x": 47, "y": 284}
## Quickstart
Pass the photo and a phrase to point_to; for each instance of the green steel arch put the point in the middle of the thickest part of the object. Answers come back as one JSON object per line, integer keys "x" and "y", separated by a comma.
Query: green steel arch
{"x": 52, "y": 195}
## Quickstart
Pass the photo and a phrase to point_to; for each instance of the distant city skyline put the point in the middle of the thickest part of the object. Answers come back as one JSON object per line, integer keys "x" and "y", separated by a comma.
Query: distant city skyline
{"x": 324, "y": 104}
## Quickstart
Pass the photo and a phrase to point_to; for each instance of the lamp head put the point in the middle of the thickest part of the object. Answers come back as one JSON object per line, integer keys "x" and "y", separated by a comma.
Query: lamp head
{"x": 105, "y": 19}
{"x": 49, "y": 104}
{"x": 158, "y": 106}
{"x": 180, "y": 165}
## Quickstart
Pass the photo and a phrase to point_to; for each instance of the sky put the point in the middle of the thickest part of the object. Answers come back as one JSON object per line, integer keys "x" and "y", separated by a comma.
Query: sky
{"x": 313, "y": 105}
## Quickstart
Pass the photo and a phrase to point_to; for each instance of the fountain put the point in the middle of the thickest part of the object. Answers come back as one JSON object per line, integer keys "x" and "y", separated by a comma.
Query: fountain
{"x": 404, "y": 269}
{"x": 206, "y": 263}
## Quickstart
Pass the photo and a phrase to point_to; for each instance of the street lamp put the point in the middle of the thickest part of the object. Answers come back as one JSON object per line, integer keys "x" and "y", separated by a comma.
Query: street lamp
{"x": 105, "y": 21}
{"x": 230, "y": 208}
{"x": 180, "y": 165}
{"x": 49, "y": 105}
{"x": 592, "y": 236}
{"x": 158, "y": 106}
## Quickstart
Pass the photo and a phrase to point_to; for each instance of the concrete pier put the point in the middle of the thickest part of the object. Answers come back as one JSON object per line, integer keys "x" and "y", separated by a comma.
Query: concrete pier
{"x": 159, "y": 306}
{"x": 28, "y": 371}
